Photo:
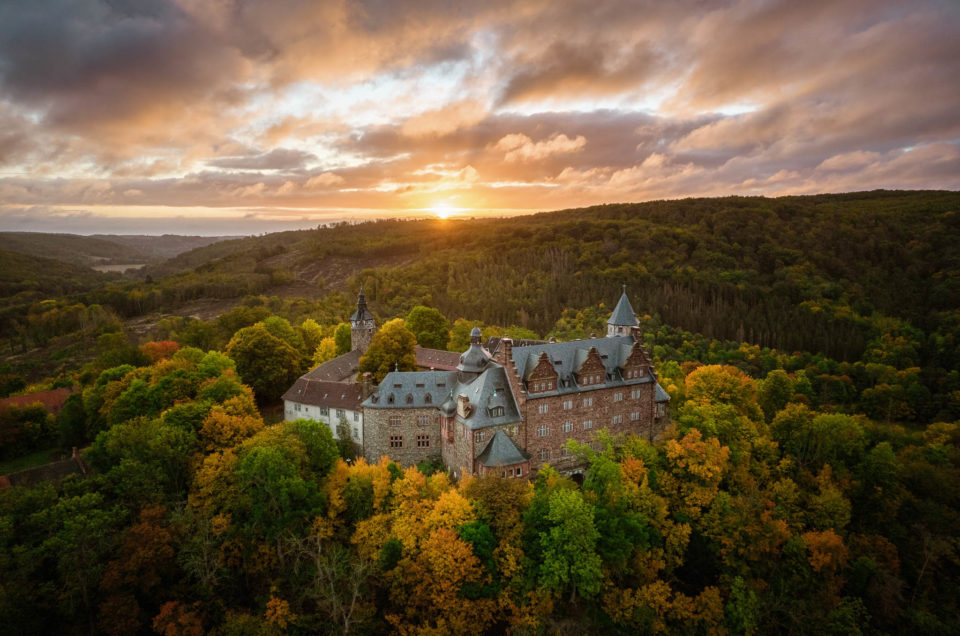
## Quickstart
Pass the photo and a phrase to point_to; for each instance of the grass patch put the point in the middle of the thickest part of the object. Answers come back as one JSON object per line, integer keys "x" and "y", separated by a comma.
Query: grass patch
{"x": 36, "y": 458}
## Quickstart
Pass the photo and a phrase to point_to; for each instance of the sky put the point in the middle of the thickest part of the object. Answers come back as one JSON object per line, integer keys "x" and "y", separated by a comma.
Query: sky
{"x": 247, "y": 116}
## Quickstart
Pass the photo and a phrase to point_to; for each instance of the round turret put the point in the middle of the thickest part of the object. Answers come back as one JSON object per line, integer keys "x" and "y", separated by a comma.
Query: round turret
{"x": 474, "y": 359}
{"x": 449, "y": 406}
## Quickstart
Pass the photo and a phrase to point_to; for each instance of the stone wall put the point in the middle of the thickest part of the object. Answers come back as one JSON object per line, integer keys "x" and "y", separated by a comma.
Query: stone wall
{"x": 378, "y": 431}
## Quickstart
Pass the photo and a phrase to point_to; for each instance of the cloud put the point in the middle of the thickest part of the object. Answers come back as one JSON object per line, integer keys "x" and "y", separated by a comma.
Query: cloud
{"x": 277, "y": 159}
{"x": 518, "y": 147}
{"x": 364, "y": 104}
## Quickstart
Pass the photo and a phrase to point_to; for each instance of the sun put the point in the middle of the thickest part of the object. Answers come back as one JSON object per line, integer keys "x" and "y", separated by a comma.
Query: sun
{"x": 443, "y": 210}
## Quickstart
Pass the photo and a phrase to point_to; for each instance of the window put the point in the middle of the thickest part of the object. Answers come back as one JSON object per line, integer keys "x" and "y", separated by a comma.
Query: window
{"x": 617, "y": 419}
{"x": 340, "y": 413}
{"x": 396, "y": 441}
{"x": 423, "y": 420}
{"x": 394, "y": 420}
{"x": 356, "y": 433}
{"x": 635, "y": 416}
{"x": 543, "y": 430}
{"x": 423, "y": 441}
{"x": 519, "y": 471}
{"x": 390, "y": 399}
{"x": 479, "y": 436}
{"x": 356, "y": 416}
{"x": 661, "y": 409}
{"x": 544, "y": 454}
{"x": 587, "y": 402}
{"x": 567, "y": 405}
{"x": 427, "y": 399}
{"x": 496, "y": 411}
{"x": 324, "y": 411}
{"x": 567, "y": 426}
{"x": 296, "y": 407}
{"x": 618, "y": 397}
{"x": 409, "y": 398}
{"x": 564, "y": 452}
{"x": 587, "y": 424}
{"x": 635, "y": 394}
{"x": 543, "y": 408}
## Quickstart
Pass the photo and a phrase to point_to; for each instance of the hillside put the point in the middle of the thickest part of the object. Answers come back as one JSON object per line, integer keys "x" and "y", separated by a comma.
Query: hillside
{"x": 34, "y": 275}
{"x": 797, "y": 273}
{"x": 102, "y": 249}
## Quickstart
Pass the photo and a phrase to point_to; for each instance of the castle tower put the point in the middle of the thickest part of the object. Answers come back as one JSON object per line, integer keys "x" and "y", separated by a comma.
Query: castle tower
{"x": 623, "y": 318}
{"x": 362, "y": 325}
{"x": 474, "y": 360}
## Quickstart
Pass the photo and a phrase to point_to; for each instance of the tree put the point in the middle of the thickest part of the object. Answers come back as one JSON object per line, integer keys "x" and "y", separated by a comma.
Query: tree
{"x": 391, "y": 348}
{"x": 325, "y": 350}
{"x": 569, "y": 546}
{"x": 343, "y": 337}
{"x": 725, "y": 385}
{"x": 774, "y": 393}
{"x": 264, "y": 361}
{"x": 430, "y": 327}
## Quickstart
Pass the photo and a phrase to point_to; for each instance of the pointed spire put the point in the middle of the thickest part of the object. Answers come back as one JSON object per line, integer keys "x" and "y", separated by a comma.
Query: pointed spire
{"x": 623, "y": 314}
{"x": 362, "y": 313}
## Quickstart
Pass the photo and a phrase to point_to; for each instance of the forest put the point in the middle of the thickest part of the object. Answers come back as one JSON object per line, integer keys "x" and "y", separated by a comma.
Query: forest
{"x": 809, "y": 484}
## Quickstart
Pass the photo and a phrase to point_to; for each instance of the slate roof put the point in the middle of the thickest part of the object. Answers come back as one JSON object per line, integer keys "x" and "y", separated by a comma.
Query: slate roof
{"x": 493, "y": 343}
{"x": 659, "y": 394}
{"x": 501, "y": 451}
{"x": 485, "y": 391}
{"x": 436, "y": 358}
{"x": 337, "y": 370}
{"x": 339, "y": 395}
{"x": 417, "y": 385}
{"x": 623, "y": 313}
{"x": 480, "y": 391}
{"x": 362, "y": 313}
{"x": 568, "y": 356}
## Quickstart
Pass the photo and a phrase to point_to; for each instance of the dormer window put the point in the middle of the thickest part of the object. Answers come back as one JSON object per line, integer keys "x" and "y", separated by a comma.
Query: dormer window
{"x": 409, "y": 399}
{"x": 496, "y": 411}
{"x": 390, "y": 399}
{"x": 427, "y": 399}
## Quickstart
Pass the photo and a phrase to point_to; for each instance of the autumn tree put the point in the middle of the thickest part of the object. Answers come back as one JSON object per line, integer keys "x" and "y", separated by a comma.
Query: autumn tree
{"x": 391, "y": 348}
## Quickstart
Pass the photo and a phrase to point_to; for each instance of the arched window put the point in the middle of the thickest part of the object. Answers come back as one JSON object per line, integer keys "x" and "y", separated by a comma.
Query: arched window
{"x": 390, "y": 399}
{"x": 427, "y": 399}
{"x": 409, "y": 398}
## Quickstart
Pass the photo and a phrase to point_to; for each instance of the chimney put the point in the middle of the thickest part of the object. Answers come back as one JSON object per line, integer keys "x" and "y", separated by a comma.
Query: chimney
{"x": 553, "y": 340}
{"x": 505, "y": 350}
{"x": 593, "y": 334}
{"x": 635, "y": 333}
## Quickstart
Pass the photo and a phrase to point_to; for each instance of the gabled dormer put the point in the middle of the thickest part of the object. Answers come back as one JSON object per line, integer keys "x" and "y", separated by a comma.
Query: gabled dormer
{"x": 590, "y": 370}
{"x": 637, "y": 364}
{"x": 543, "y": 377}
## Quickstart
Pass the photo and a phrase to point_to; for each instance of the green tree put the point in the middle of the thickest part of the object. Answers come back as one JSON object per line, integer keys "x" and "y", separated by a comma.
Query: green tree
{"x": 265, "y": 362}
{"x": 774, "y": 393}
{"x": 392, "y": 347}
{"x": 569, "y": 546}
{"x": 343, "y": 338}
{"x": 430, "y": 327}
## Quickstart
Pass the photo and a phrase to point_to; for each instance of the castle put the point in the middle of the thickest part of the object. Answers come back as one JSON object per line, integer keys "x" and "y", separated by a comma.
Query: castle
{"x": 500, "y": 406}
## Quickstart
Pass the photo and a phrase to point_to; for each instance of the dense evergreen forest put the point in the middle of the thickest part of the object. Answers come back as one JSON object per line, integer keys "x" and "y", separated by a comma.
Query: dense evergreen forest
{"x": 810, "y": 483}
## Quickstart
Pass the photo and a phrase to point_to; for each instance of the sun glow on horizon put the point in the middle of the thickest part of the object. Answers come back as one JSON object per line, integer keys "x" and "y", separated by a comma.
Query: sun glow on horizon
{"x": 443, "y": 210}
